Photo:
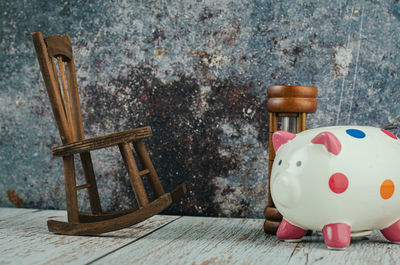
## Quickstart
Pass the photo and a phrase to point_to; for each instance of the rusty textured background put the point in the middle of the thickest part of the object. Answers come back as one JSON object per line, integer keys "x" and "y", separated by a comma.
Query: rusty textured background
{"x": 197, "y": 72}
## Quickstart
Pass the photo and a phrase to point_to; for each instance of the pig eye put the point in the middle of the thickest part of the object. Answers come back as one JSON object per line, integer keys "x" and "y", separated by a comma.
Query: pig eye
{"x": 298, "y": 163}
{"x": 280, "y": 162}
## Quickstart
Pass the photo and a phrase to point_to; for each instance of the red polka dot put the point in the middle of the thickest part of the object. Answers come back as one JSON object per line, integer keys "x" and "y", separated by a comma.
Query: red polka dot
{"x": 338, "y": 183}
{"x": 389, "y": 133}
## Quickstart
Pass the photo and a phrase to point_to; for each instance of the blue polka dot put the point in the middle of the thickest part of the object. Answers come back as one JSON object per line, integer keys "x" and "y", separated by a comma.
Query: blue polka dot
{"x": 355, "y": 133}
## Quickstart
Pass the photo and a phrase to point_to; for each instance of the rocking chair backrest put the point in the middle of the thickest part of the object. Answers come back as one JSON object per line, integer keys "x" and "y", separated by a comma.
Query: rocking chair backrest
{"x": 56, "y": 62}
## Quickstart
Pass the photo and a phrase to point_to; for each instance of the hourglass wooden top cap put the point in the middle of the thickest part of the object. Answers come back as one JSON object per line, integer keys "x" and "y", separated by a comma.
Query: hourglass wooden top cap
{"x": 292, "y": 99}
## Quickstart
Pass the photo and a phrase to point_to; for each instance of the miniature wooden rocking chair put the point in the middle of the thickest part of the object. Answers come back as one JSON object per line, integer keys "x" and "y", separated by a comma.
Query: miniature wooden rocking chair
{"x": 65, "y": 104}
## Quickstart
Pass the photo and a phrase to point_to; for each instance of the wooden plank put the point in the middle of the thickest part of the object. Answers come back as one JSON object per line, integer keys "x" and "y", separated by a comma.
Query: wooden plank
{"x": 202, "y": 240}
{"x": 187, "y": 240}
{"x": 27, "y": 240}
{"x": 372, "y": 250}
{"x": 205, "y": 240}
{"x": 11, "y": 212}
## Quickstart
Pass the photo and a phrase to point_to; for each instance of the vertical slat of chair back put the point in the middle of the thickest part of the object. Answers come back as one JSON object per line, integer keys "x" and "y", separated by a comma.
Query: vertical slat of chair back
{"x": 56, "y": 52}
{"x": 52, "y": 87}
{"x": 74, "y": 96}
{"x": 67, "y": 105}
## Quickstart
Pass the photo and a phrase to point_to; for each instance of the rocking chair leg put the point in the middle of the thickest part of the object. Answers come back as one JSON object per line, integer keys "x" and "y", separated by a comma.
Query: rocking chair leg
{"x": 70, "y": 189}
{"x": 133, "y": 172}
{"x": 146, "y": 162}
{"x": 90, "y": 179}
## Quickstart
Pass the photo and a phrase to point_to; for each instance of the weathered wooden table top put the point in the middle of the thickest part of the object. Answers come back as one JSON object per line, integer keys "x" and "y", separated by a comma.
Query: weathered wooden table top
{"x": 162, "y": 239}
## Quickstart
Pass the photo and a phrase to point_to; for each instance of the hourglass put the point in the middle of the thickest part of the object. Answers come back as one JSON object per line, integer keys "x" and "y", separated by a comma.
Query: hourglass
{"x": 288, "y": 107}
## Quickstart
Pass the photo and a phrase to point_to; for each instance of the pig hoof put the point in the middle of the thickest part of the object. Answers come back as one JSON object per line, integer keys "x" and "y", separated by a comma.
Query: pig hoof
{"x": 392, "y": 233}
{"x": 287, "y": 231}
{"x": 337, "y": 235}
{"x": 331, "y": 248}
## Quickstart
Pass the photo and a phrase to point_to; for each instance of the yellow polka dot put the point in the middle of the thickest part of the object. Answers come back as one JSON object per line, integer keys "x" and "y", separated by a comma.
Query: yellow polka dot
{"x": 387, "y": 189}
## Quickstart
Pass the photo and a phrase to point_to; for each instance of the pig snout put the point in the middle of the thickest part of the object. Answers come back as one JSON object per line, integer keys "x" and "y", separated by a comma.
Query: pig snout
{"x": 287, "y": 190}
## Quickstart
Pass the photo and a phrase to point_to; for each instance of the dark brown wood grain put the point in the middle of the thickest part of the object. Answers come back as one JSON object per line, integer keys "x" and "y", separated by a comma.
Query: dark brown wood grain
{"x": 291, "y": 99}
{"x": 292, "y": 105}
{"x": 134, "y": 176}
{"x": 146, "y": 162}
{"x": 65, "y": 103}
{"x": 88, "y": 172}
{"x": 70, "y": 189}
{"x": 97, "y": 224}
{"x": 275, "y": 91}
{"x": 102, "y": 141}
{"x": 303, "y": 119}
{"x": 51, "y": 84}
{"x": 85, "y": 217}
{"x": 112, "y": 224}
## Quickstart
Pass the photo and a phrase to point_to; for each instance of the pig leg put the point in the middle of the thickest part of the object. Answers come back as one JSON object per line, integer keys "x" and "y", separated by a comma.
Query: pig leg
{"x": 392, "y": 233}
{"x": 337, "y": 235}
{"x": 289, "y": 232}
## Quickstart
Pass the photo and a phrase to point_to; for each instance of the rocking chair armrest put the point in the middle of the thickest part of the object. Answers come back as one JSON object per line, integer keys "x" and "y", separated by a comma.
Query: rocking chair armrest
{"x": 100, "y": 142}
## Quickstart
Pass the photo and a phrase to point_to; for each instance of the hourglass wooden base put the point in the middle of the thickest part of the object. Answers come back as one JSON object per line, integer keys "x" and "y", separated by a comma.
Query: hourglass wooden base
{"x": 272, "y": 220}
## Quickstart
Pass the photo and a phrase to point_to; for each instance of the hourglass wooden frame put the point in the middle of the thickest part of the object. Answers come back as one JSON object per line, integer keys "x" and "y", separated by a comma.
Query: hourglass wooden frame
{"x": 288, "y": 107}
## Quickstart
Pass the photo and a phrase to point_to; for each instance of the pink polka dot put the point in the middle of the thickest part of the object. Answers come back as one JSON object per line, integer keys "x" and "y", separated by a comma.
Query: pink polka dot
{"x": 390, "y": 134}
{"x": 338, "y": 183}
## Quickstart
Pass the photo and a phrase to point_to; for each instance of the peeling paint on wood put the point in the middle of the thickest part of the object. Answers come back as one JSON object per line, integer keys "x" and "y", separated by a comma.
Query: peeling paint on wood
{"x": 205, "y": 240}
{"x": 372, "y": 250}
{"x": 11, "y": 212}
{"x": 201, "y": 240}
{"x": 24, "y": 239}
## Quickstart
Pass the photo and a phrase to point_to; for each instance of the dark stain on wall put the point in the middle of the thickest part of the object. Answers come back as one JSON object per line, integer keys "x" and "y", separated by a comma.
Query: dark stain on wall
{"x": 15, "y": 199}
{"x": 184, "y": 146}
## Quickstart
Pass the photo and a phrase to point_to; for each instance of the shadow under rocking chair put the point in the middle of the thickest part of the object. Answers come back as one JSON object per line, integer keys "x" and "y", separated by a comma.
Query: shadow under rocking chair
{"x": 65, "y": 104}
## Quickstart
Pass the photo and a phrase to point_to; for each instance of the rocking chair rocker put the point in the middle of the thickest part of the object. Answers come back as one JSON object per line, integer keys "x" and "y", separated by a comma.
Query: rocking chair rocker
{"x": 67, "y": 113}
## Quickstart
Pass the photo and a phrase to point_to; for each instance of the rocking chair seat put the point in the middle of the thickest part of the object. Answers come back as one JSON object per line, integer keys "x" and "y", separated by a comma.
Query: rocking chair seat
{"x": 100, "y": 142}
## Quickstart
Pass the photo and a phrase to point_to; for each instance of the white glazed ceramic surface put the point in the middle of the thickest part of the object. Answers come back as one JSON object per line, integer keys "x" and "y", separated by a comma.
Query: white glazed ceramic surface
{"x": 302, "y": 189}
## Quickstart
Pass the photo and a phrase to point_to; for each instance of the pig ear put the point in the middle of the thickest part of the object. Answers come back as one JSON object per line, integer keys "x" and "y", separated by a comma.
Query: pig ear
{"x": 329, "y": 140}
{"x": 280, "y": 138}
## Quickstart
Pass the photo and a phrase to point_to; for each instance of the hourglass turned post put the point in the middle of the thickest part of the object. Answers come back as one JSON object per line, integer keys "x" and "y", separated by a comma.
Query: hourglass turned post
{"x": 288, "y": 107}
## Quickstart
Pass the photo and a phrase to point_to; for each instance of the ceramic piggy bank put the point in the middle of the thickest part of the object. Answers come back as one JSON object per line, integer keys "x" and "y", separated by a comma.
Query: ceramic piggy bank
{"x": 342, "y": 180}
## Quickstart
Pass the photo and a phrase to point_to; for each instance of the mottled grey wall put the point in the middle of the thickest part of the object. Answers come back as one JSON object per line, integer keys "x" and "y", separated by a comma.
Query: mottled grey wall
{"x": 197, "y": 72}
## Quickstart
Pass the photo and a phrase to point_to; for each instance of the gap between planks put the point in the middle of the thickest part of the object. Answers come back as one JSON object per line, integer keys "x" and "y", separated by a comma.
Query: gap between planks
{"x": 24, "y": 238}
{"x": 206, "y": 240}
{"x": 133, "y": 241}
